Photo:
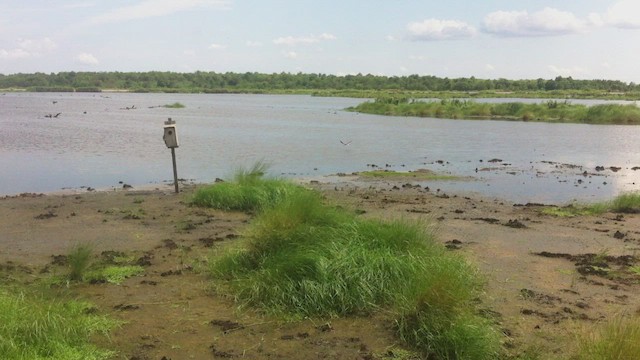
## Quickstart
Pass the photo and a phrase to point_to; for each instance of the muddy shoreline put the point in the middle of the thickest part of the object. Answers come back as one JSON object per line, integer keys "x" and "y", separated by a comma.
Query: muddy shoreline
{"x": 547, "y": 277}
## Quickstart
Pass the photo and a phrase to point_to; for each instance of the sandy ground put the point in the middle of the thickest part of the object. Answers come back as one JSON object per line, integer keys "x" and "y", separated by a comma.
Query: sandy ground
{"x": 547, "y": 277}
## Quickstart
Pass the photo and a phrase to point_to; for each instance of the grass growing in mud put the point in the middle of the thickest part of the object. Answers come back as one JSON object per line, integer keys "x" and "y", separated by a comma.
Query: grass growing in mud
{"x": 305, "y": 259}
{"x": 114, "y": 274}
{"x": 247, "y": 191}
{"x": 624, "y": 203}
{"x": 618, "y": 338}
{"x": 33, "y": 326}
{"x": 83, "y": 268}
{"x": 79, "y": 259}
{"x": 551, "y": 111}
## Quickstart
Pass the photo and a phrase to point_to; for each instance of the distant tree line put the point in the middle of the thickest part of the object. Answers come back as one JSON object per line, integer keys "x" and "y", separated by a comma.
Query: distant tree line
{"x": 200, "y": 81}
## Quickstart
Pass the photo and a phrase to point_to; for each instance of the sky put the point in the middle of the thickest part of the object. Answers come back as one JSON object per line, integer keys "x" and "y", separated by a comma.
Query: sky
{"x": 513, "y": 39}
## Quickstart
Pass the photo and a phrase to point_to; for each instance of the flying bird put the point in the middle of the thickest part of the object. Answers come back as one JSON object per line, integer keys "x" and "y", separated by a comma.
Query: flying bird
{"x": 345, "y": 143}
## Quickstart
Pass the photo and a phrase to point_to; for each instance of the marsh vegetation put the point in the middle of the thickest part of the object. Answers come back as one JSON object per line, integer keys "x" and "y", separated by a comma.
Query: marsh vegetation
{"x": 303, "y": 258}
{"x": 628, "y": 203}
{"x": 550, "y": 111}
{"x": 40, "y": 325}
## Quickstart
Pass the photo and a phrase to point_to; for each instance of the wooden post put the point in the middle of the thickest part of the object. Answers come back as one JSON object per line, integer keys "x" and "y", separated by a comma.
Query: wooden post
{"x": 175, "y": 169}
{"x": 171, "y": 140}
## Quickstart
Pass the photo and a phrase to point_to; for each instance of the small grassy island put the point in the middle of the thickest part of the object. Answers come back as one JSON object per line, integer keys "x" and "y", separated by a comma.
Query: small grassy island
{"x": 550, "y": 111}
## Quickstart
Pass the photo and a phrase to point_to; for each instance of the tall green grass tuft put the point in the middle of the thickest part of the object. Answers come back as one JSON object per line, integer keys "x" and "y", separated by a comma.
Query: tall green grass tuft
{"x": 616, "y": 339}
{"x": 79, "y": 259}
{"x": 306, "y": 259}
{"x": 626, "y": 203}
{"x": 35, "y": 327}
{"x": 248, "y": 191}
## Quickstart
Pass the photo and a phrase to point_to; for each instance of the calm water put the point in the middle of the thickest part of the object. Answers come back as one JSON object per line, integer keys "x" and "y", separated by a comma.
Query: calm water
{"x": 97, "y": 142}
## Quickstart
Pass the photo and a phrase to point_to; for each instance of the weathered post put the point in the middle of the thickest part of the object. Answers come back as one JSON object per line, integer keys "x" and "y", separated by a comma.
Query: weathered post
{"x": 171, "y": 140}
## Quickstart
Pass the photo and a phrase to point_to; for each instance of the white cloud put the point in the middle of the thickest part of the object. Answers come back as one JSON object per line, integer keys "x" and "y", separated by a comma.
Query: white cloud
{"x": 13, "y": 54}
{"x": 595, "y": 19}
{"x": 217, "y": 46}
{"x": 87, "y": 59}
{"x": 154, "y": 8}
{"x": 434, "y": 29}
{"x": 296, "y": 40}
{"x": 575, "y": 71}
{"x": 291, "y": 55}
{"x": 390, "y": 38}
{"x": 29, "y": 48}
{"x": 325, "y": 36}
{"x": 547, "y": 22}
{"x": 253, "y": 43}
{"x": 80, "y": 5}
{"x": 624, "y": 14}
{"x": 37, "y": 46}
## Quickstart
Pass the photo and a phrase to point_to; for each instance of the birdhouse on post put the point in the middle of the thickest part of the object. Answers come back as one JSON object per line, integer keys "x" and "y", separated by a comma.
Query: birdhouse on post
{"x": 170, "y": 135}
{"x": 171, "y": 140}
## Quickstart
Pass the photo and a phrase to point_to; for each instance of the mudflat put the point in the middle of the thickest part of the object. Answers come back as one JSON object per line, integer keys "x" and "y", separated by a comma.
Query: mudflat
{"x": 548, "y": 278}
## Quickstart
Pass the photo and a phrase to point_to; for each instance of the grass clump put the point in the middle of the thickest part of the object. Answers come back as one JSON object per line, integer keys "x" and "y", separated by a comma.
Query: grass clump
{"x": 618, "y": 338}
{"x": 175, "y": 105}
{"x": 113, "y": 270}
{"x": 624, "y": 203}
{"x": 79, "y": 259}
{"x": 114, "y": 274}
{"x": 306, "y": 259}
{"x": 248, "y": 191}
{"x": 36, "y": 327}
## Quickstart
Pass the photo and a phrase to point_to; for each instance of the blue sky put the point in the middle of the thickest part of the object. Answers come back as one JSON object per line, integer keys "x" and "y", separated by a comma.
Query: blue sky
{"x": 585, "y": 39}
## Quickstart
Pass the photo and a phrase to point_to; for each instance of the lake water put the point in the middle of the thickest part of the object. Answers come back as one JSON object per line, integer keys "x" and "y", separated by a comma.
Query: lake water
{"x": 100, "y": 139}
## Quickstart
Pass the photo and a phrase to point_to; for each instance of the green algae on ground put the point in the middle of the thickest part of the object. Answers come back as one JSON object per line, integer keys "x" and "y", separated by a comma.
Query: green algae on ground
{"x": 421, "y": 175}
